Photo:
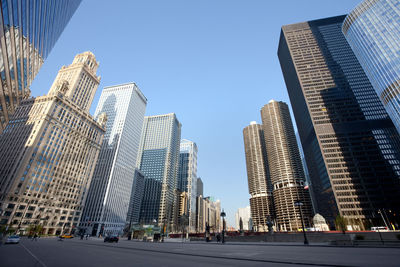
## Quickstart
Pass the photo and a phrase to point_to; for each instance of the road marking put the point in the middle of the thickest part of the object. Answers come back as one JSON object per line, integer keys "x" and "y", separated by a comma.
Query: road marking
{"x": 290, "y": 262}
{"x": 33, "y": 255}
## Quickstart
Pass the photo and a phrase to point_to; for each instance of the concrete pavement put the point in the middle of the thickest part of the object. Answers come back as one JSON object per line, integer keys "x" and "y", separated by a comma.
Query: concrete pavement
{"x": 48, "y": 252}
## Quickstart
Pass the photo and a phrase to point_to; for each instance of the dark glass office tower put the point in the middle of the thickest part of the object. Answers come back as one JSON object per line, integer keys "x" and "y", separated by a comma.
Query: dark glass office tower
{"x": 158, "y": 160}
{"x": 351, "y": 146}
{"x": 29, "y": 30}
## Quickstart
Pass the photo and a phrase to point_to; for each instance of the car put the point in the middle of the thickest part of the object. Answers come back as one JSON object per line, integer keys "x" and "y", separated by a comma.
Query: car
{"x": 13, "y": 239}
{"x": 111, "y": 239}
{"x": 67, "y": 236}
{"x": 379, "y": 228}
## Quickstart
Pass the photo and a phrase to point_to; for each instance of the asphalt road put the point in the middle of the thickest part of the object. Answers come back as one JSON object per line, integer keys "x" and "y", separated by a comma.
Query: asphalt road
{"x": 48, "y": 252}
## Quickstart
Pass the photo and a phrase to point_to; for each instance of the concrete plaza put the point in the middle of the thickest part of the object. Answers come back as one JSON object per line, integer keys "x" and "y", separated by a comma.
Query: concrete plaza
{"x": 94, "y": 252}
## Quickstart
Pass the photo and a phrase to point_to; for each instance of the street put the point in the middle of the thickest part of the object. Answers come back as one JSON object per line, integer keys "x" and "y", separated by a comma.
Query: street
{"x": 94, "y": 252}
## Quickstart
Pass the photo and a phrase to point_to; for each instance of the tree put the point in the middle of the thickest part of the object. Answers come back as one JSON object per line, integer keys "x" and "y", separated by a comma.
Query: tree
{"x": 341, "y": 223}
{"x": 35, "y": 229}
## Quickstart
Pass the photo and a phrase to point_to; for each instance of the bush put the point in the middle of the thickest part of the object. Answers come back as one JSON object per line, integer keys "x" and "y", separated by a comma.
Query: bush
{"x": 341, "y": 223}
{"x": 359, "y": 237}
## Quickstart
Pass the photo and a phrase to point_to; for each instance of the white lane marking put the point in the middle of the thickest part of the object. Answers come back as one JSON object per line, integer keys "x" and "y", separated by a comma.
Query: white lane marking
{"x": 36, "y": 258}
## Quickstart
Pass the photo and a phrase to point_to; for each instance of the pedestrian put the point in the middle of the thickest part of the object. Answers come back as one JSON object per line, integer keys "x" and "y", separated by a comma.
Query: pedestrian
{"x": 218, "y": 237}
{"x": 87, "y": 236}
{"x": 35, "y": 237}
{"x": 81, "y": 236}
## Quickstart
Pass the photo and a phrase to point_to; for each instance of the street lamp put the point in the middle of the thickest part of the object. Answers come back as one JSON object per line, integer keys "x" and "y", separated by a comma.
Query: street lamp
{"x": 223, "y": 226}
{"x": 299, "y": 204}
{"x": 380, "y": 212}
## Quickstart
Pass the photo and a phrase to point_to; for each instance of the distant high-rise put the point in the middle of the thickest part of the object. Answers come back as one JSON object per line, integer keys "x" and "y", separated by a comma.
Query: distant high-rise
{"x": 350, "y": 144}
{"x": 199, "y": 187}
{"x": 285, "y": 168}
{"x": 260, "y": 189}
{"x": 109, "y": 195}
{"x": 29, "y": 30}
{"x": 209, "y": 214}
{"x": 243, "y": 219}
{"x": 49, "y": 151}
{"x": 373, "y": 32}
{"x": 187, "y": 178}
{"x": 158, "y": 160}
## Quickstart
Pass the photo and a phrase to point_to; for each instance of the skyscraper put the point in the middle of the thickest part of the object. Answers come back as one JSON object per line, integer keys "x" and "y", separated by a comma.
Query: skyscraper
{"x": 285, "y": 168}
{"x": 209, "y": 214}
{"x": 158, "y": 160}
{"x": 373, "y": 32}
{"x": 351, "y": 146}
{"x": 109, "y": 195}
{"x": 29, "y": 30}
{"x": 187, "y": 178}
{"x": 199, "y": 187}
{"x": 260, "y": 189}
{"x": 136, "y": 198}
{"x": 51, "y": 146}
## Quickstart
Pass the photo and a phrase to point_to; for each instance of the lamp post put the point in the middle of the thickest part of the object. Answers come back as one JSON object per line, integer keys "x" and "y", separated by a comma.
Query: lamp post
{"x": 383, "y": 218}
{"x": 223, "y": 226}
{"x": 299, "y": 204}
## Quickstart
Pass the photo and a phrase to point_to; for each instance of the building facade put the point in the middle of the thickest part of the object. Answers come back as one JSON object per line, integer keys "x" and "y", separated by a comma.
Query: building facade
{"x": 29, "y": 30}
{"x": 51, "y": 145}
{"x": 373, "y": 32}
{"x": 136, "y": 198}
{"x": 109, "y": 195}
{"x": 158, "y": 160}
{"x": 243, "y": 219}
{"x": 260, "y": 189}
{"x": 199, "y": 187}
{"x": 209, "y": 215}
{"x": 187, "y": 178}
{"x": 351, "y": 146}
{"x": 285, "y": 168}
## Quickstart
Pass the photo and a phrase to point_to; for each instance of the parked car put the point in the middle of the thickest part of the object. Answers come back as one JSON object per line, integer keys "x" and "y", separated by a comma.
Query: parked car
{"x": 111, "y": 239}
{"x": 379, "y": 228}
{"x": 67, "y": 236}
{"x": 13, "y": 239}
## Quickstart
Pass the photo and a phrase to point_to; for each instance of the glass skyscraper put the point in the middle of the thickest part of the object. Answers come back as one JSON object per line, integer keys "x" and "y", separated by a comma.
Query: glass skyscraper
{"x": 109, "y": 194}
{"x": 350, "y": 144}
{"x": 187, "y": 178}
{"x": 29, "y": 30}
{"x": 158, "y": 160}
{"x": 373, "y": 32}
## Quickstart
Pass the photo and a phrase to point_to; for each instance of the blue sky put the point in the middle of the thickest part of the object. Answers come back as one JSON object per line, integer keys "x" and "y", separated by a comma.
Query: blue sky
{"x": 213, "y": 63}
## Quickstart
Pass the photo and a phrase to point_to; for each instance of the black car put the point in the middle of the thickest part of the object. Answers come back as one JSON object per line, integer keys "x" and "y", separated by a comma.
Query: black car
{"x": 111, "y": 239}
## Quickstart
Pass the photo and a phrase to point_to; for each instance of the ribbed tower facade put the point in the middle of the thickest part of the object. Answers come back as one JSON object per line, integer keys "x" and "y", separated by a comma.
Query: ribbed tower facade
{"x": 257, "y": 176}
{"x": 29, "y": 30}
{"x": 351, "y": 146}
{"x": 285, "y": 168}
{"x": 51, "y": 145}
{"x": 187, "y": 178}
{"x": 109, "y": 195}
{"x": 373, "y": 32}
{"x": 158, "y": 160}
